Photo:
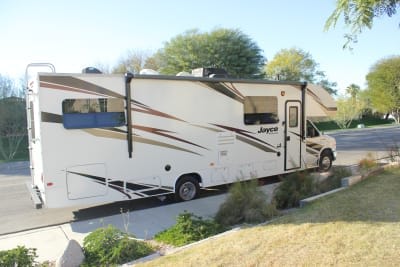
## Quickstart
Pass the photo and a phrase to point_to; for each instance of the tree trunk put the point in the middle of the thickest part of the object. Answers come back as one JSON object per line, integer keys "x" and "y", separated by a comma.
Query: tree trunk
{"x": 396, "y": 115}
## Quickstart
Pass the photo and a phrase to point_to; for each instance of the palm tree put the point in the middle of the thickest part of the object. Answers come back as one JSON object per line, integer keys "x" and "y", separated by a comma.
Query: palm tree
{"x": 353, "y": 90}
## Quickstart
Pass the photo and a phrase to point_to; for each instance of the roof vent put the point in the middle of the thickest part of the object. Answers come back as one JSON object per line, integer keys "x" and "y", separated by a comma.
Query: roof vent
{"x": 91, "y": 70}
{"x": 149, "y": 72}
{"x": 210, "y": 73}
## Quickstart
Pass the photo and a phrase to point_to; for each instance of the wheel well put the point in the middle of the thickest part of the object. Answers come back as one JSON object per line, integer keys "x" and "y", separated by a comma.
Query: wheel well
{"x": 328, "y": 151}
{"x": 193, "y": 174}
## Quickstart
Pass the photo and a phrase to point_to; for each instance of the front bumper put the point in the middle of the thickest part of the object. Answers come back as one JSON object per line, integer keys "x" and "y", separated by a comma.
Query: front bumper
{"x": 334, "y": 154}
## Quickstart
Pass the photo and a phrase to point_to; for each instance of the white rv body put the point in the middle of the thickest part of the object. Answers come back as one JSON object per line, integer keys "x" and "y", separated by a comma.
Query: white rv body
{"x": 86, "y": 149}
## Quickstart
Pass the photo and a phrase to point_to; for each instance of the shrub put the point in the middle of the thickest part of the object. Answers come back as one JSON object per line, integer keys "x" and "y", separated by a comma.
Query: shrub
{"x": 19, "y": 256}
{"x": 188, "y": 228}
{"x": 334, "y": 180}
{"x": 367, "y": 163}
{"x": 110, "y": 246}
{"x": 394, "y": 152}
{"x": 294, "y": 187}
{"x": 246, "y": 203}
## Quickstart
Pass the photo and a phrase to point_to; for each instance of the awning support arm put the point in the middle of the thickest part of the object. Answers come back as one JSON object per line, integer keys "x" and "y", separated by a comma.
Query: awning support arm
{"x": 128, "y": 77}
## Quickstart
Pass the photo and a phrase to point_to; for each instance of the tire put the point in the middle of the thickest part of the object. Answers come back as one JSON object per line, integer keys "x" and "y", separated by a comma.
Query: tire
{"x": 325, "y": 161}
{"x": 187, "y": 188}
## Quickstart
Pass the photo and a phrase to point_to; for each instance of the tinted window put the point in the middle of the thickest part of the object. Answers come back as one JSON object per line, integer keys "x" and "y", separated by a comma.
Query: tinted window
{"x": 260, "y": 110}
{"x": 93, "y": 113}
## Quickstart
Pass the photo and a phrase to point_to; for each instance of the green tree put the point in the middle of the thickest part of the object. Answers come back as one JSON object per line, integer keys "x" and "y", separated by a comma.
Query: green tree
{"x": 359, "y": 14}
{"x": 12, "y": 118}
{"x": 221, "y": 48}
{"x": 384, "y": 86}
{"x": 295, "y": 64}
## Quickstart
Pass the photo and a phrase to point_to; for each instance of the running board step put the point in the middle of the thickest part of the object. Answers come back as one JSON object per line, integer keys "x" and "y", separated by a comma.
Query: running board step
{"x": 34, "y": 191}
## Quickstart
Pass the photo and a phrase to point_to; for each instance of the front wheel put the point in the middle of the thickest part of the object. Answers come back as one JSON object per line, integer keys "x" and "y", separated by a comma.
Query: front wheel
{"x": 325, "y": 161}
{"x": 186, "y": 188}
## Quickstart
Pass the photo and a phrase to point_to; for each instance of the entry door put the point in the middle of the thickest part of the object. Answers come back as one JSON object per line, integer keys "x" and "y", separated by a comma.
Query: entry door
{"x": 293, "y": 116}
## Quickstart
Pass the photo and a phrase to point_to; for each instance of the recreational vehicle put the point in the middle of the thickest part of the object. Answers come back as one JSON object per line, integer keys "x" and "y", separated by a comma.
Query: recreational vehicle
{"x": 97, "y": 138}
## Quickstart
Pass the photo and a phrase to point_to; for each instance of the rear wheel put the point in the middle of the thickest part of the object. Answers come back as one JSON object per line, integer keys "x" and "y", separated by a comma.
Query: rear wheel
{"x": 325, "y": 161}
{"x": 186, "y": 188}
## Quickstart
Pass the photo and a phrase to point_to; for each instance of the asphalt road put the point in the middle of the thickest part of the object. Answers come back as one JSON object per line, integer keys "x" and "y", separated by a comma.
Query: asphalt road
{"x": 375, "y": 139}
{"x": 16, "y": 208}
{"x": 354, "y": 145}
{"x": 17, "y": 212}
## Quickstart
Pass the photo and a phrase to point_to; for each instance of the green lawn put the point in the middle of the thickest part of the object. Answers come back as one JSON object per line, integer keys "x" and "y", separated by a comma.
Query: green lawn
{"x": 359, "y": 226}
{"x": 368, "y": 122}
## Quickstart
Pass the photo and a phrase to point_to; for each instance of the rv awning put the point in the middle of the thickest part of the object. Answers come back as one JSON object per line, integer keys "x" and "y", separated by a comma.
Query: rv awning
{"x": 319, "y": 103}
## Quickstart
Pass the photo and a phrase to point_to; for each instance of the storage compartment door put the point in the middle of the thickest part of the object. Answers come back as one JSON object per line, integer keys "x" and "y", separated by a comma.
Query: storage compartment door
{"x": 85, "y": 181}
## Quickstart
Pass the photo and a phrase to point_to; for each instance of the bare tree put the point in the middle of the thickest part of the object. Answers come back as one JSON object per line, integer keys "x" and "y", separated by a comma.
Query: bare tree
{"x": 133, "y": 61}
{"x": 103, "y": 67}
{"x": 6, "y": 87}
{"x": 12, "y": 118}
{"x": 349, "y": 107}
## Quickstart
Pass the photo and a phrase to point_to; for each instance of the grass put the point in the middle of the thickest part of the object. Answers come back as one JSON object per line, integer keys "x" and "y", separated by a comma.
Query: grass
{"x": 359, "y": 226}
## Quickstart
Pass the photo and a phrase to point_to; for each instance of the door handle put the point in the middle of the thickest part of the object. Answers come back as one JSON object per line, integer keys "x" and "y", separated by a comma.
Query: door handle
{"x": 287, "y": 138}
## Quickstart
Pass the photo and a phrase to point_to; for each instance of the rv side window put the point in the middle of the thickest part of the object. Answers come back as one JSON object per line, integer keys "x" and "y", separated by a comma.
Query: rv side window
{"x": 93, "y": 113}
{"x": 260, "y": 110}
{"x": 311, "y": 131}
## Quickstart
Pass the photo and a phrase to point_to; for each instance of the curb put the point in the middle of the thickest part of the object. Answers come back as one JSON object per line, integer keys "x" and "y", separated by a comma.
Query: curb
{"x": 307, "y": 201}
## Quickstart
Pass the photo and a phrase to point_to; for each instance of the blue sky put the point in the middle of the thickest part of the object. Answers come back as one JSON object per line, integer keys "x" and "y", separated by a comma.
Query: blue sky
{"x": 74, "y": 34}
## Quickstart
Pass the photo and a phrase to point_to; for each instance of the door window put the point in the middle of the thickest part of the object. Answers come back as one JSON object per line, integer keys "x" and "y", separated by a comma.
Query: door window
{"x": 293, "y": 117}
